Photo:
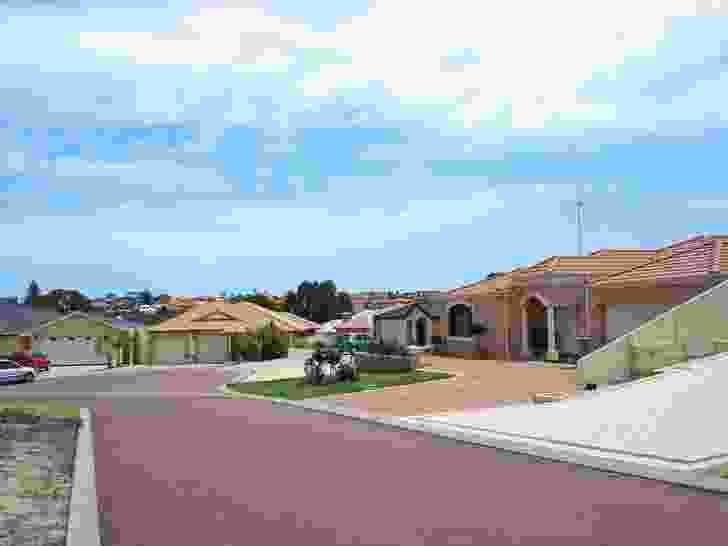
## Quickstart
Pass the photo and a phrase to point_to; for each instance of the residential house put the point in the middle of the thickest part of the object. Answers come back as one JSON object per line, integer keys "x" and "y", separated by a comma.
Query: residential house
{"x": 408, "y": 324}
{"x": 541, "y": 310}
{"x": 310, "y": 327}
{"x": 205, "y": 332}
{"x": 67, "y": 338}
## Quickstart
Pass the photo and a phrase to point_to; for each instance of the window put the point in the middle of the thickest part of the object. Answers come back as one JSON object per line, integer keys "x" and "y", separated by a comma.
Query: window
{"x": 461, "y": 321}
{"x": 410, "y": 333}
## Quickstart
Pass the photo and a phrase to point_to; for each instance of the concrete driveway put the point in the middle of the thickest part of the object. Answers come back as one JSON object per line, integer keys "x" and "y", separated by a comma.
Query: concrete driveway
{"x": 668, "y": 420}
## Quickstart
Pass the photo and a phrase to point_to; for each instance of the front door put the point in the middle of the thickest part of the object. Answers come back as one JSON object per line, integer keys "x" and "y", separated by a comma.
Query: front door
{"x": 421, "y": 332}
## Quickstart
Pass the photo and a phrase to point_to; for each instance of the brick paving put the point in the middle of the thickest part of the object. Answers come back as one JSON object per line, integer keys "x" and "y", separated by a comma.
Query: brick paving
{"x": 217, "y": 472}
{"x": 478, "y": 384}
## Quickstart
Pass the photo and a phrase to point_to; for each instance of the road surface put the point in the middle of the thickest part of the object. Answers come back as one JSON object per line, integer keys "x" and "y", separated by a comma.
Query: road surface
{"x": 186, "y": 470}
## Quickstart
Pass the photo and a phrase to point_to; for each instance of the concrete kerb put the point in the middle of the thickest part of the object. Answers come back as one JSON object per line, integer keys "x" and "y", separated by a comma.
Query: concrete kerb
{"x": 698, "y": 480}
{"x": 83, "y": 519}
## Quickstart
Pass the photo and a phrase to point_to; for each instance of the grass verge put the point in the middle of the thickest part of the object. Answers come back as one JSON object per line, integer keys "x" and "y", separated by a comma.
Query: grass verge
{"x": 724, "y": 471}
{"x": 296, "y": 389}
{"x": 28, "y": 486}
{"x": 38, "y": 408}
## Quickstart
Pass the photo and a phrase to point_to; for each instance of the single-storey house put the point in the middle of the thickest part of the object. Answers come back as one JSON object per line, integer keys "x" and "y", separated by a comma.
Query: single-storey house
{"x": 310, "y": 327}
{"x": 205, "y": 333}
{"x": 541, "y": 311}
{"x": 67, "y": 338}
{"x": 408, "y": 324}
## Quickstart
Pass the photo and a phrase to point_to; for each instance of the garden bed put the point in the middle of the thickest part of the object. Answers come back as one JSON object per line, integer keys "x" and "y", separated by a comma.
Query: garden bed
{"x": 296, "y": 389}
{"x": 37, "y": 450}
{"x": 378, "y": 362}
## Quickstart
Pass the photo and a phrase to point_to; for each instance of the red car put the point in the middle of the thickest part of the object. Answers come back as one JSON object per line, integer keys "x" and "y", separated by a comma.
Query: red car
{"x": 38, "y": 361}
{"x": 41, "y": 362}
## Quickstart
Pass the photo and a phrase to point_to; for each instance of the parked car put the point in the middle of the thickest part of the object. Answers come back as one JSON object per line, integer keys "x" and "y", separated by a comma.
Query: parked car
{"x": 26, "y": 360}
{"x": 12, "y": 372}
{"x": 41, "y": 361}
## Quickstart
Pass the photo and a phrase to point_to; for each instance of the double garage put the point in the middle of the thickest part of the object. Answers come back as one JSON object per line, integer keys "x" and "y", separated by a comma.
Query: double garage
{"x": 74, "y": 339}
{"x": 172, "y": 349}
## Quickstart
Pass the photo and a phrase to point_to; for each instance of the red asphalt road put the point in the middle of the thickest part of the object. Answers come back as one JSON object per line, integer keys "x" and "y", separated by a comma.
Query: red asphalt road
{"x": 206, "y": 472}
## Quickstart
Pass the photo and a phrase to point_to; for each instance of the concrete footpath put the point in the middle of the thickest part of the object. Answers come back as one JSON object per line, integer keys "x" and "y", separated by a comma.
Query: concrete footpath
{"x": 664, "y": 428}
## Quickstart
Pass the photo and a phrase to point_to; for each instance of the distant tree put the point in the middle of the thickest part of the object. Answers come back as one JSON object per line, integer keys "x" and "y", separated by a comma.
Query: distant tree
{"x": 292, "y": 302}
{"x": 63, "y": 300}
{"x": 260, "y": 299}
{"x": 33, "y": 292}
{"x": 318, "y": 301}
{"x": 146, "y": 297}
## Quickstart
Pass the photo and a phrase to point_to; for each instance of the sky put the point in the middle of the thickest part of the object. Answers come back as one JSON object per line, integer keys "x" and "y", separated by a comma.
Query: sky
{"x": 214, "y": 146}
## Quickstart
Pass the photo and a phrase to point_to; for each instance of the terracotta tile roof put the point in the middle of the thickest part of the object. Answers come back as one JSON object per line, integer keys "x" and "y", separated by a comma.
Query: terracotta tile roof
{"x": 304, "y": 323}
{"x": 700, "y": 256}
{"x": 606, "y": 262}
{"x": 598, "y": 264}
{"x": 226, "y": 318}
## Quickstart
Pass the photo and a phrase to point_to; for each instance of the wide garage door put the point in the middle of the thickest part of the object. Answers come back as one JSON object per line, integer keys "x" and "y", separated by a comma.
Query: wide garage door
{"x": 213, "y": 349}
{"x": 70, "y": 350}
{"x": 624, "y": 318}
{"x": 170, "y": 349}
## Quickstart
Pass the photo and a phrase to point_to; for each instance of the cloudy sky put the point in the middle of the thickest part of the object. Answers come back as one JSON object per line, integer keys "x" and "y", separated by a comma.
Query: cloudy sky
{"x": 210, "y": 146}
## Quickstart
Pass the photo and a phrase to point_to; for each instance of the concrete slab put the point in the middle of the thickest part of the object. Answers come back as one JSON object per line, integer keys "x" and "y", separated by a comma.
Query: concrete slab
{"x": 664, "y": 420}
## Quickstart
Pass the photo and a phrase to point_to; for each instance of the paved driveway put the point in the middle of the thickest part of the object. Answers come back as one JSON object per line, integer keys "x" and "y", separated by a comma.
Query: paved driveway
{"x": 228, "y": 472}
{"x": 479, "y": 384}
{"x": 668, "y": 418}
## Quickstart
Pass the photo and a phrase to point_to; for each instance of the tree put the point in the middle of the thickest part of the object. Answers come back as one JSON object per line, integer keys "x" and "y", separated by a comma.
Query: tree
{"x": 318, "y": 301}
{"x": 33, "y": 292}
{"x": 260, "y": 299}
{"x": 146, "y": 297}
{"x": 63, "y": 300}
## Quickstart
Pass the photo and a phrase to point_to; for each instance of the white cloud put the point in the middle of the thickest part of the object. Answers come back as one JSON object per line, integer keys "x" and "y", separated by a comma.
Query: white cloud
{"x": 708, "y": 204}
{"x": 158, "y": 175}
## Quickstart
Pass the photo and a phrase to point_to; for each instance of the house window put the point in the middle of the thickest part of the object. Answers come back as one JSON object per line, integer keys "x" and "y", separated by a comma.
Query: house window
{"x": 461, "y": 321}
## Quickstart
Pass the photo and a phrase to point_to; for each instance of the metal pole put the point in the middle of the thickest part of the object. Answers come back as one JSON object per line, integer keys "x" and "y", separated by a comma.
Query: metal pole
{"x": 579, "y": 207}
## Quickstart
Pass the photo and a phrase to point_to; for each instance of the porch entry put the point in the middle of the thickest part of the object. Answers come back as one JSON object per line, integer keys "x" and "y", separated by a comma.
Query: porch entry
{"x": 421, "y": 329}
{"x": 538, "y": 326}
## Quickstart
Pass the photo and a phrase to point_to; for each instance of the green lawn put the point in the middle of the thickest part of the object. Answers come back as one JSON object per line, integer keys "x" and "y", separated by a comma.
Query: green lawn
{"x": 296, "y": 389}
{"x": 46, "y": 408}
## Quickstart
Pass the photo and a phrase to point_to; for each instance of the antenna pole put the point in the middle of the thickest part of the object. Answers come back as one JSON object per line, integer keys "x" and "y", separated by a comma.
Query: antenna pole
{"x": 580, "y": 235}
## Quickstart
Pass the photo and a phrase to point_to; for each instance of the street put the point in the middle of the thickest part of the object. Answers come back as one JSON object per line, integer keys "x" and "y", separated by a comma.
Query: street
{"x": 193, "y": 470}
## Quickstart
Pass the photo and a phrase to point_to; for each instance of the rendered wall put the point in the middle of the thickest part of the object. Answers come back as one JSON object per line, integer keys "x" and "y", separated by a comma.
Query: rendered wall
{"x": 685, "y": 331}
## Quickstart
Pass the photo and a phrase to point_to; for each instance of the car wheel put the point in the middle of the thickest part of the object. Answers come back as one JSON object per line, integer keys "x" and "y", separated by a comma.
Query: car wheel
{"x": 29, "y": 377}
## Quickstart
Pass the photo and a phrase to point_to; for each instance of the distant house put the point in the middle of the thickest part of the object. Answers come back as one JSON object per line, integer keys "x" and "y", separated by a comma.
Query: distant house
{"x": 67, "y": 338}
{"x": 205, "y": 332}
{"x": 408, "y": 324}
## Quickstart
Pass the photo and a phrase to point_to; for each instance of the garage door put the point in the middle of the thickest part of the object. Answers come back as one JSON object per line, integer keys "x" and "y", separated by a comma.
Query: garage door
{"x": 70, "y": 350}
{"x": 212, "y": 349}
{"x": 170, "y": 350}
